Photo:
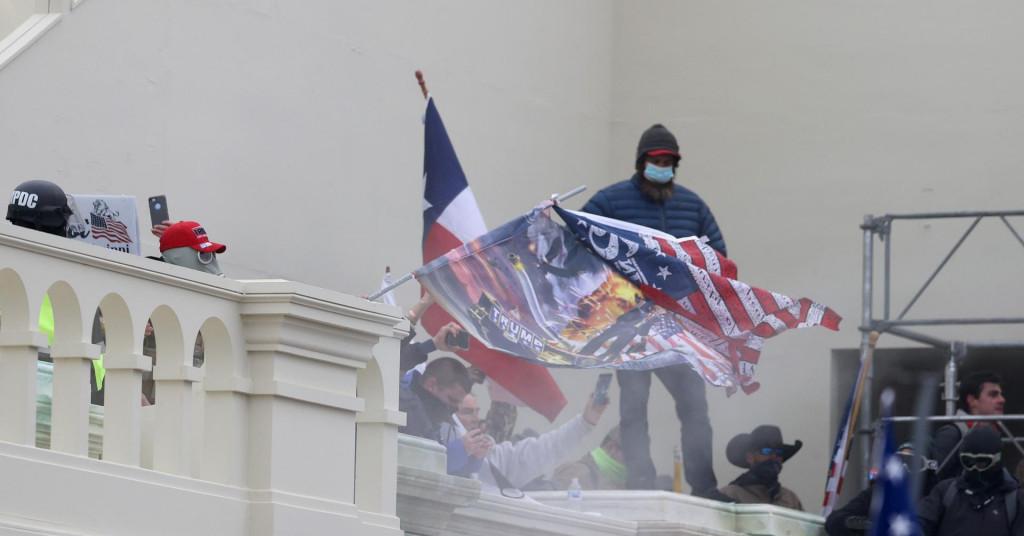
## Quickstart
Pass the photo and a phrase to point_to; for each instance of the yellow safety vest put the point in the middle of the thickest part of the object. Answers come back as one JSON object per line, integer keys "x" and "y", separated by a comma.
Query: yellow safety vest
{"x": 46, "y": 327}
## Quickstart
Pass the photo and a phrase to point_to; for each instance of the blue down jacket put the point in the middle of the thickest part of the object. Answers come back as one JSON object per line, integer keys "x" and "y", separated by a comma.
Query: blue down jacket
{"x": 683, "y": 214}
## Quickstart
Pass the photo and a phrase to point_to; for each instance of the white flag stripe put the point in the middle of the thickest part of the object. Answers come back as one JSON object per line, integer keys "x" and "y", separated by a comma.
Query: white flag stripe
{"x": 814, "y": 315}
{"x": 710, "y": 258}
{"x": 462, "y": 217}
{"x": 680, "y": 253}
{"x": 715, "y": 302}
{"x": 783, "y": 302}
{"x": 749, "y": 300}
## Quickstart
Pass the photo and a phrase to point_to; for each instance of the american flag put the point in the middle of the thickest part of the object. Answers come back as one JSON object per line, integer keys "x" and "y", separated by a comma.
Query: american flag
{"x": 844, "y": 440}
{"x": 730, "y": 319}
{"x": 109, "y": 228}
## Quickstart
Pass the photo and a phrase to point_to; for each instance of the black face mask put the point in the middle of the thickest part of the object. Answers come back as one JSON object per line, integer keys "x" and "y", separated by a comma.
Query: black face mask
{"x": 981, "y": 480}
{"x": 767, "y": 471}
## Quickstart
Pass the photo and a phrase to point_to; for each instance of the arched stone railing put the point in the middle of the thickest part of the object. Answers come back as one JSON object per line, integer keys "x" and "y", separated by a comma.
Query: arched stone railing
{"x": 262, "y": 439}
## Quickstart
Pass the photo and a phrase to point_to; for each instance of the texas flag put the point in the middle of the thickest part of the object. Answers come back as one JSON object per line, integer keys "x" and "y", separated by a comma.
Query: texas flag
{"x": 450, "y": 218}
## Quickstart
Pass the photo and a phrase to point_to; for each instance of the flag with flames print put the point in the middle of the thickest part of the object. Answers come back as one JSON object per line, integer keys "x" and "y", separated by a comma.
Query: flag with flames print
{"x": 596, "y": 292}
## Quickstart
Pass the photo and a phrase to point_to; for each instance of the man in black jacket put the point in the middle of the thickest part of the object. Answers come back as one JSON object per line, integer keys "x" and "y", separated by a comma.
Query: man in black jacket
{"x": 984, "y": 499}
{"x": 980, "y": 393}
{"x": 853, "y": 518}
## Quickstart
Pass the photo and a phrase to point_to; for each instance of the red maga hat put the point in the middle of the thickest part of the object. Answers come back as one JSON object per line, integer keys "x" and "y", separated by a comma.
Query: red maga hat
{"x": 189, "y": 234}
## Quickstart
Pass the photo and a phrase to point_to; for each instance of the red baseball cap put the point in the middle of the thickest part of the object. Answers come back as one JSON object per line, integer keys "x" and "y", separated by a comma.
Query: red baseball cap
{"x": 189, "y": 234}
{"x": 659, "y": 152}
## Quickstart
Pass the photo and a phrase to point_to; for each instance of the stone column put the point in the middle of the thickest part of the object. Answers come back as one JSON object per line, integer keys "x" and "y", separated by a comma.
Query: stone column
{"x": 122, "y": 401}
{"x": 69, "y": 423}
{"x": 377, "y": 433}
{"x": 304, "y": 358}
{"x": 175, "y": 421}
{"x": 19, "y": 352}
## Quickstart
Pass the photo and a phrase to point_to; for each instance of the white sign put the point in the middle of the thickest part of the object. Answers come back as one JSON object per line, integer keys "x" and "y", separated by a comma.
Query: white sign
{"x": 109, "y": 221}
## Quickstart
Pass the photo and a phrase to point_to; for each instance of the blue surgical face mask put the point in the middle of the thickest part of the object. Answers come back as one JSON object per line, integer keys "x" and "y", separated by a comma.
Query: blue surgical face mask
{"x": 658, "y": 174}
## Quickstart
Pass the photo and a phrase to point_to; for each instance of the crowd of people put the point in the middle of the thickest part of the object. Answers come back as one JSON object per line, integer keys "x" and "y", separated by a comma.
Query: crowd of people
{"x": 967, "y": 485}
{"x": 966, "y": 482}
{"x": 437, "y": 397}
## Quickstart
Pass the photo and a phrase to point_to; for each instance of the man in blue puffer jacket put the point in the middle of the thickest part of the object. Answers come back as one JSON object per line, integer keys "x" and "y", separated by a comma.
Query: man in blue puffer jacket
{"x": 652, "y": 198}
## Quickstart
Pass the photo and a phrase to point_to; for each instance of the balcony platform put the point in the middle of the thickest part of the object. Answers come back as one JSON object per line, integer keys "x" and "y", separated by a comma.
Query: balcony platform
{"x": 432, "y": 503}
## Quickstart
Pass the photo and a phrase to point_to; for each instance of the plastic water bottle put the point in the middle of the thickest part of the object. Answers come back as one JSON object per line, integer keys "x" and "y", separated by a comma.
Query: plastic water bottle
{"x": 575, "y": 495}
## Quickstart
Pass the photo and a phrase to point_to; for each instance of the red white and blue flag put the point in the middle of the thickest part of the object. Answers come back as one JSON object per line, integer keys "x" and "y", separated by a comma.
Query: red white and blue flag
{"x": 692, "y": 280}
{"x": 844, "y": 438}
{"x": 840, "y": 456}
{"x": 109, "y": 228}
{"x": 450, "y": 219}
{"x": 598, "y": 292}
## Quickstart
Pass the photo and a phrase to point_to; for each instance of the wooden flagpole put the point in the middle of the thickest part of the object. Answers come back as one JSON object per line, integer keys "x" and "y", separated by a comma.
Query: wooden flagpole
{"x": 422, "y": 83}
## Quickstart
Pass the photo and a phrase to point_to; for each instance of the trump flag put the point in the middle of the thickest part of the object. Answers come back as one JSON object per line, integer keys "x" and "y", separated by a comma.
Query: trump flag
{"x": 596, "y": 292}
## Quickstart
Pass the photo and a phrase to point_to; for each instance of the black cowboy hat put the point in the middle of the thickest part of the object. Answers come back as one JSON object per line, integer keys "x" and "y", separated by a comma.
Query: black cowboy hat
{"x": 765, "y": 435}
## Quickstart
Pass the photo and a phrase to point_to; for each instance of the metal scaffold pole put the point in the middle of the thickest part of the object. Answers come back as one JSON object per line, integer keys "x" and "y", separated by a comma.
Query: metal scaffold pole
{"x": 866, "y": 418}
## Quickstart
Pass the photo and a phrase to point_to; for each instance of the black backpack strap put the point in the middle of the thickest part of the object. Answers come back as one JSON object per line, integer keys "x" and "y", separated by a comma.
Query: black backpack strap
{"x": 1011, "y": 506}
{"x": 952, "y": 453}
{"x": 949, "y": 496}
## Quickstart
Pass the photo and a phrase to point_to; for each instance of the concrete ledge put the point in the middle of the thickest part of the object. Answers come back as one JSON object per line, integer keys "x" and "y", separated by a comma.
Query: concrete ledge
{"x": 692, "y": 515}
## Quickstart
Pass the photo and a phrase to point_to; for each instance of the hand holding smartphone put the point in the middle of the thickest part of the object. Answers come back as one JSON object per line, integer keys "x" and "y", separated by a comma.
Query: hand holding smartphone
{"x": 601, "y": 390}
{"x": 158, "y": 210}
{"x": 459, "y": 339}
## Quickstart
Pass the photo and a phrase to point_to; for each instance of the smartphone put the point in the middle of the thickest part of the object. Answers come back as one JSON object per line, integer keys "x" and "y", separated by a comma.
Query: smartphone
{"x": 459, "y": 340}
{"x": 601, "y": 391}
{"x": 158, "y": 209}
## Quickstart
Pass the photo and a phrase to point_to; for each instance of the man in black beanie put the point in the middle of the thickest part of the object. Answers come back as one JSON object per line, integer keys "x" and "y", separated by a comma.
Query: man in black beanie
{"x": 652, "y": 198}
{"x": 984, "y": 499}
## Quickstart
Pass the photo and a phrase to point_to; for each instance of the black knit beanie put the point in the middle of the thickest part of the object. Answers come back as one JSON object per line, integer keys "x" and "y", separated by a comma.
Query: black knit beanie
{"x": 656, "y": 137}
{"x": 982, "y": 440}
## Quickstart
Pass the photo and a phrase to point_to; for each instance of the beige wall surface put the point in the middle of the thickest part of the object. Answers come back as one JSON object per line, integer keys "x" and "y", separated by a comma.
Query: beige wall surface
{"x": 13, "y": 13}
{"x": 294, "y": 135}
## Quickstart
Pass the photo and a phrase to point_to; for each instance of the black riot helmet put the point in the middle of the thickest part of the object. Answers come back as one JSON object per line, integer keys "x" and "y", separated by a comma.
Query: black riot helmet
{"x": 39, "y": 205}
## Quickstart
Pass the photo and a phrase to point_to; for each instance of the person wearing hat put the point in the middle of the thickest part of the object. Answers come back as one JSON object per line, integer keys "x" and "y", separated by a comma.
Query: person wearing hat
{"x": 652, "y": 197}
{"x": 984, "y": 499}
{"x": 762, "y": 453}
{"x": 186, "y": 244}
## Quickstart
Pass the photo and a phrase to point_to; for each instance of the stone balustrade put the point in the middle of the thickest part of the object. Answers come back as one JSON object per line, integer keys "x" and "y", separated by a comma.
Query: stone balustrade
{"x": 290, "y": 426}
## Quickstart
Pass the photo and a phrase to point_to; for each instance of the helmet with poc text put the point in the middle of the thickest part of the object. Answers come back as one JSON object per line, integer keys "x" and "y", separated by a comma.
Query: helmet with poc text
{"x": 39, "y": 205}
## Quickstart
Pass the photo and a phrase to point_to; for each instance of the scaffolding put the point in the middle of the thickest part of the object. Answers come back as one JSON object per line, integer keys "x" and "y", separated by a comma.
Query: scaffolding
{"x": 880, "y": 228}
